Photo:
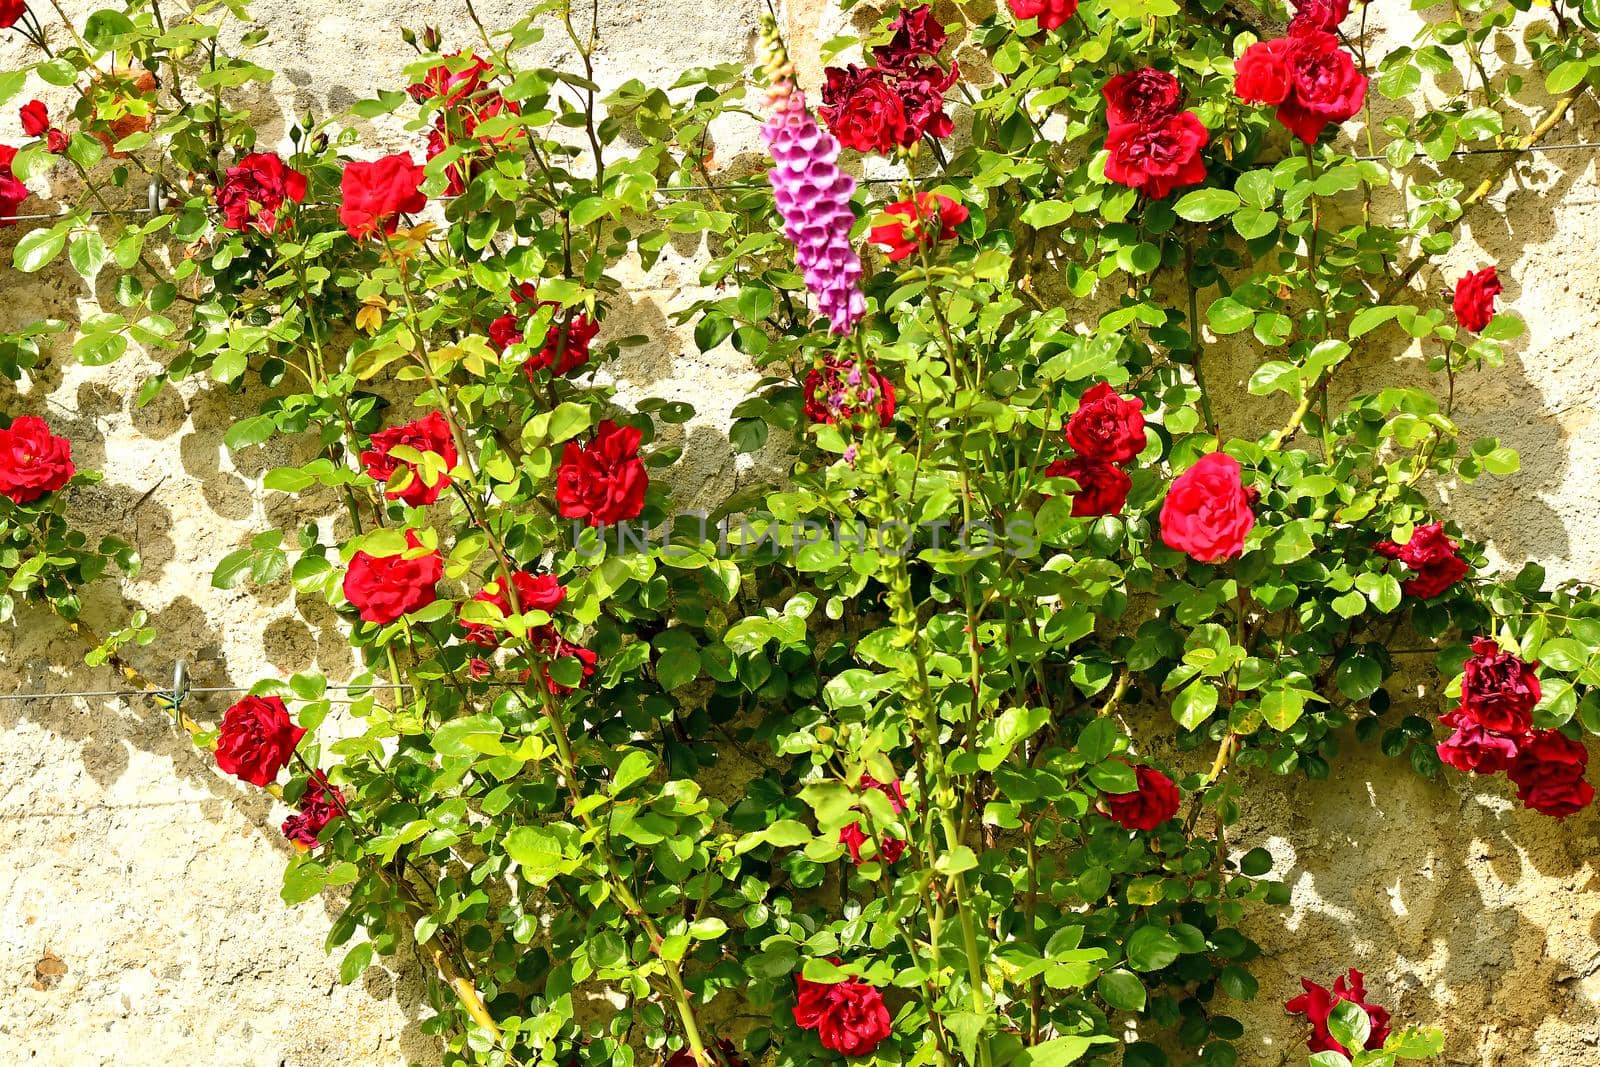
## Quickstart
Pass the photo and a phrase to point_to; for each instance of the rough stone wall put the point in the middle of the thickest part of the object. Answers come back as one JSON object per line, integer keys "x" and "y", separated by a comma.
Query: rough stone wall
{"x": 139, "y": 917}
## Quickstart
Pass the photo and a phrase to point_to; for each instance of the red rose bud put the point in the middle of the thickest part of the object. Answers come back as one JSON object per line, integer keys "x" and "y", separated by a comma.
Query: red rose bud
{"x": 33, "y": 461}
{"x": 1207, "y": 511}
{"x": 1432, "y": 558}
{"x": 917, "y": 35}
{"x": 376, "y": 194}
{"x": 603, "y": 481}
{"x": 535, "y": 592}
{"x": 319, "y": 805}
{"x": 1102, "y": 487}
{"x": 1317, "y": 1005}
{"x": 1106, "y": 426}
{"x": 1498, "y": 690}
{"x": 1160, "y": 157}
{"x": 841, "y": 390}
{"x": 256, "y": 739}
{"x": 254, "y": 191}
{"x": 1548, "y": 772}
{"x": 56, "y": 141}
{"x": 12, "y": 191}
{"x": 849, "y": 1017}
{"x": 384, "y": 588}
{"x": 431, "y": 433}
{"x": 1052, "y": 14}
{"x": 1474, "y": 299}
{"x": 1142, "y": 97}
{"x": 35, "y": 118}
{"x": 1147, "y": 807}
{"x": 920, "y": 222}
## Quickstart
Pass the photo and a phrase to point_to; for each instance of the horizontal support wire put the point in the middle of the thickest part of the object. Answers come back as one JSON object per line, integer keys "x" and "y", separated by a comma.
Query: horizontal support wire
{"x": 377, "y": 687}
{"x": 676, "y": 190}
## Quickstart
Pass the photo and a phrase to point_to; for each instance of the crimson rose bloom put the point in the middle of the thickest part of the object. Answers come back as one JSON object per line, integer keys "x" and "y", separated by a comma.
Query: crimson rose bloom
{"x": 12, "y": 192}
{"x": 890, "y": 848}
{"x": 451, "y": 86}
{"x": 460, "y": 126}
{"x": 431, "y": 433}
{"x": 1261, "y": 75}
{"x": 562, "y": 355}
{"x": 1318, "y": 15}
{"x": 918, "y": 35}
{"x": 33, "y": 461}
{"x": 922, "y": 221}
{"x": 1472, "y": 748}
{"x": 849, "y": 1016}
{"x": 1548, "y": 770}
{"x": 603, "y": 481}
{"x": 35, "y": 118}
{"x": 1325, "y": 85}
{"x": 256, "y": 739}
{"x": 864, "y": 110}
{"x": 1474, "y": 299}
{"x": 1107, "y": 427}
{"x": 1498, "y": 690}
{"x": 535, "y": 592}
{"x": 383, "y": 588}
{"x": 838, "y": 391}
{"x": 1160, "y": 157}
{"x": 1432, "y": 557}
{"x": 319, "y": 805}
{"x": 551, "y": 644}
{"x": 255, "y": 190}
{"x": 1102, "y": 487}
{"x": 1052, "y": 14}
{"x": 375, "y": 194}
{"x": 10, "y": 12}
{"x": 1317, "y": 1004}
{"x": 1207, "y": 512}
{"x": 1142, "y": 97}
{"x": 1153, "y": 803}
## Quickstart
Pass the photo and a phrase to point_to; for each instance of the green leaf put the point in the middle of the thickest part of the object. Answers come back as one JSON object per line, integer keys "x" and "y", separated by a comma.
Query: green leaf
{"x": 1152, "y": 948}
{"x": 635, "y": 767}
{"x": 536, "y": 850}
{"x": 231, "y": 569}
{"x": 355, "y": 962}
{"x": 1350, "y": 1025}
{"x": 1568, "y": 75}
{"x": 1122, "y": 990}
{"x": 1227, "y": 316}
{"x": 104, "y": 27}
{"x": 37, "y": 249}
{"x": 1282, "y": 708}
{"x": 1204, "y": 205}
{"x": 1058, "y": 1052}
{"x": 1194, "y": 705}
{"x": 1368, "y": 319}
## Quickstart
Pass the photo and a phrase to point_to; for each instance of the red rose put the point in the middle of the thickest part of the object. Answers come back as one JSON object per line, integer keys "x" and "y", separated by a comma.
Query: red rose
{"x": 375, "y": 194}
{"x": 254, "y": 191}
{"x": 922, "y": 89}
{"x": 383, "y": 588}
{"x": 535, "y": 592}
{"x": 1318, "y": 15}
{"x": 1432, "y": 557}
{"x": 33, "y": 461}
{"x": 1153, "y": 803}
{"x": 897, "y": 798}
{"x": 256, "y": 739}
{"x": 1160, "y": 157}
{"x": 35, "y": 118}
{"x": 1106, "y": 426}
{"x": 10, "y": 12}
{"x": 1472, "y": 748}
{"x": 12, "y": 192}
{"x": 452, "y": 81}
{"x": 1052, "y": 14}
{"x": 1102, "y": 487}
{"x": 552, "y": 645}
{"x": 431, "y": 433}
{"x": 1207, "y": 511}
{"x": 1474, "y": 299}
{"x": 925, "y": 220}
{"x": 1142, "y": 97}
{"x": 1548, "y": 770}
{"x": 1317, "y": 1004}
{"x": 1262, "y": 75}
{"x": 459, "y": 126}
{"x": 839, "y": 391}
{"x": 1326, "y": 87}
{"x": 505, "y": 332}
{"x": 56, "y": 141}
{"x": 566, "y": 344}
{"x": 319, "y": 805}
{"x": 849, "y": 1016}
{"x": 864, "y": 111}
{"x": 917, "y": 35}
{"x": 890, "y": 848}
{"x": 603, "y": 481}
{"x": 1498, "y": 690}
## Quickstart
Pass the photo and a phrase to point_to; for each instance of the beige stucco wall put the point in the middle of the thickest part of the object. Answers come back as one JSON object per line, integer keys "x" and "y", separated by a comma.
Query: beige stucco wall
{"x": 129, "y": 860}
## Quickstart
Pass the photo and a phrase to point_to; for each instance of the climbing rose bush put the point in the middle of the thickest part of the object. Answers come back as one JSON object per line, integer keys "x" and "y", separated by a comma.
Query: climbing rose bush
{"x": 1087, "y": 505}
